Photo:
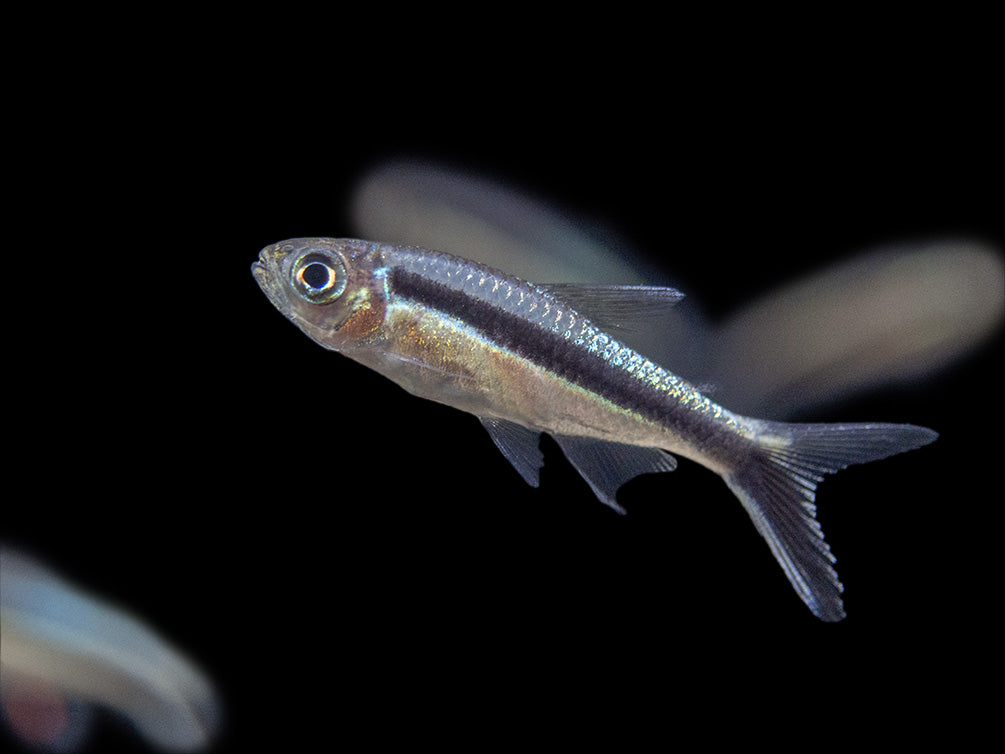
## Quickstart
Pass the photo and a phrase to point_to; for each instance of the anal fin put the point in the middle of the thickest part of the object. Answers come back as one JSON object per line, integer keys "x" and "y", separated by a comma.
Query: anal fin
{"x": 607, "y": 465}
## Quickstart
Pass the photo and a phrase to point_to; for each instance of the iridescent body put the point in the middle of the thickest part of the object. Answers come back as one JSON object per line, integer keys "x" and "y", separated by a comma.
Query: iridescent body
{"x": 525, "y": 360}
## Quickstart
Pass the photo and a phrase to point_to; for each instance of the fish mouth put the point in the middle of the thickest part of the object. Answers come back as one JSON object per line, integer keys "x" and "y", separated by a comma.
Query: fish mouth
{"x": 267, "y": 278}
{"x": 260, "y": 271}
{"x": 266, "y": 258}
{"x": 266, "y": 269}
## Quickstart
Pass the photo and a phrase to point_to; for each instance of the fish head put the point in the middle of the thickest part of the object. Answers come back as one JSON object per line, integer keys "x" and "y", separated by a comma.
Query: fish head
{"x": 326, "y": 286}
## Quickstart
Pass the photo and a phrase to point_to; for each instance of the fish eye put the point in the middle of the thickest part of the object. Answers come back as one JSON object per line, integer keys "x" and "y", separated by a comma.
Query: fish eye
{"x": 319, "y": 277}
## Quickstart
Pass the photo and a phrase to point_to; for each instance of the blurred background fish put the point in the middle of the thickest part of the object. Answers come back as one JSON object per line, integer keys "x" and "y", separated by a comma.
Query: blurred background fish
{"x": 64, "y": 649}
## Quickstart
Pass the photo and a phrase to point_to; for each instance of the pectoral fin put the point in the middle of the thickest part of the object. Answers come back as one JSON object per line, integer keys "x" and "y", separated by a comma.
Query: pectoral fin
{"x": 607, "y": 465}
{"x": 519, "y": 445}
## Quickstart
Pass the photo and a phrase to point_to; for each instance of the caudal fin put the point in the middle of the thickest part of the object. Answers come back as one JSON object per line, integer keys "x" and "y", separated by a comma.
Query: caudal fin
{"x": 777, "y": 487}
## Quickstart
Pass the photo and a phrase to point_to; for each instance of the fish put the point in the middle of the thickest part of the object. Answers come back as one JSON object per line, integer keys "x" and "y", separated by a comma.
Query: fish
{"x": 528, "y": 359}
{"x": 65, "y": 649}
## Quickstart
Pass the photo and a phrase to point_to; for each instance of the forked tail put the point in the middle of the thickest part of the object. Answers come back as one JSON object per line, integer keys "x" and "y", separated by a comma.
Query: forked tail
{"x": 777, "y": 487}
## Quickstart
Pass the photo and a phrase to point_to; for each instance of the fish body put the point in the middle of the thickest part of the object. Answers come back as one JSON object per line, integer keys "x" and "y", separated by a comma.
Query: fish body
{"x": 527, "y": 359}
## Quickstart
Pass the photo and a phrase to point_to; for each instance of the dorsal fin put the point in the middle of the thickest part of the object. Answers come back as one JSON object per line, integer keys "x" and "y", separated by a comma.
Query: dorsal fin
{"x": 617, "y": 307}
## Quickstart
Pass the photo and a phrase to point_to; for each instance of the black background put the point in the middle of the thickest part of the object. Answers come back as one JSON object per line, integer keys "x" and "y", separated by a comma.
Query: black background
{"x": 346, "y": 561}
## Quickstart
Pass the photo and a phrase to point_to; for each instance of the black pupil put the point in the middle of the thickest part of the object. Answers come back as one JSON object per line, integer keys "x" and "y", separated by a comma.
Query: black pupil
{"x": 317, "y": 275}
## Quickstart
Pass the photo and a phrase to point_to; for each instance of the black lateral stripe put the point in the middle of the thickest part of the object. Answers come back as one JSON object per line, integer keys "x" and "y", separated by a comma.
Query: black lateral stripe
{"x": 539, "y": 345}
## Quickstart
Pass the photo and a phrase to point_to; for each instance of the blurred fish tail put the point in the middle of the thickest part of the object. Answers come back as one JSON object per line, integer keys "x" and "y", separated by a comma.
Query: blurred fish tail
{"x": 777, "y": 487}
